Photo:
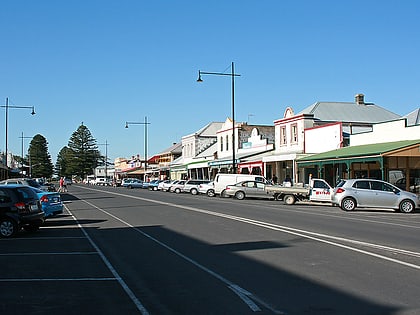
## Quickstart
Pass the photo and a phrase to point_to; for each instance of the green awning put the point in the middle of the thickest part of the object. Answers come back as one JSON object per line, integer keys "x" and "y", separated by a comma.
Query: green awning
{"x": 366, "y": 152}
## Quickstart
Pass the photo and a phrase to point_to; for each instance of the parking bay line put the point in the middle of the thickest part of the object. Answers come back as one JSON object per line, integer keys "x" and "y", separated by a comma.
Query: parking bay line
{"x": 122, "y": 283}
{"x": 56, "y": 279}
{"x": 53, "y": 279}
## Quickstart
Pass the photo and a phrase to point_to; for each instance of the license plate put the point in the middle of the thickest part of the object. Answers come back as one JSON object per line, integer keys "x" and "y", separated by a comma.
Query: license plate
{"x": 34, "y": 207}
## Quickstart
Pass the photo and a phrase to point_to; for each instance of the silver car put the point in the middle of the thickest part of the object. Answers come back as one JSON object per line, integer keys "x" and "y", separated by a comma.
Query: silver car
{"x": 177, "y": 187}
{"x": 207, "y": 189}
{"x": 370, "y": 193}
{"x": 248, "y": 188}
{"x": 192, "y": 185}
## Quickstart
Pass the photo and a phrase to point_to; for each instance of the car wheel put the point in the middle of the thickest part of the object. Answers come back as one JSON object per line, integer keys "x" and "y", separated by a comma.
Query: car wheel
{"x": 289, "y": 199}
{"x": 130, "y": 187}
{"x": 177, "y": 190}
{"x": 406, "y": 206}
{"x": 31, "y": 228}
{"x": 348, "y": 204}
{"x": 240, "y": 195}
{"x": 194, "y": 191}
{"x": 8, "y": 227}
{"x": 210, "y": 193}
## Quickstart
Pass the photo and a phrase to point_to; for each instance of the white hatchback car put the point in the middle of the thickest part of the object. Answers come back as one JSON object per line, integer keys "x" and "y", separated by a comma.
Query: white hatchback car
{"x": 370, "y": 193}
{"x": 178, "y": 186}
{"x": 191, "y": 186}
{"x": 207, "y": 188}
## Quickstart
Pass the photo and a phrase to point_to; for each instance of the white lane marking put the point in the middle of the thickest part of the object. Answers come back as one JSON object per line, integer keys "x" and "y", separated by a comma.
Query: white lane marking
{"x": 122, "y": 283}
{"x": 243, "y": 294}
{"x": 285, "y": 229}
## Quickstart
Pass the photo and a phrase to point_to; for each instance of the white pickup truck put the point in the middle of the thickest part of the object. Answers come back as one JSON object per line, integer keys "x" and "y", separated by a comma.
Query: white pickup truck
{"x": 317, "y": 190}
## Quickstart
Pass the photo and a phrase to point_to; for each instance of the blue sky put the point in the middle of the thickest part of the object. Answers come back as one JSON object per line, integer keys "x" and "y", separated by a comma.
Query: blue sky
{"x": 106, "y": 62}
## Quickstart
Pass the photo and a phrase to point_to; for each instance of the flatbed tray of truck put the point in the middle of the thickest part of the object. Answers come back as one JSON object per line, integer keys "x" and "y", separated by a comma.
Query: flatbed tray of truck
{"x": 288, "y": 190}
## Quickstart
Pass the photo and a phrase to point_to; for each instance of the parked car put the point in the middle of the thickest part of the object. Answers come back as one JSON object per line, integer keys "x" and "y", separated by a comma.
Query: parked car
{"x": 248, "y": 188}
{"x": 27, "y": 182}
{"x": 207, "y": 188}
{"x": 125, "y": 181}
{"x": 163, "y": 183}
{"x": 134, "y": 183}
{"x": 178, "y": 186}
{"x": 414, "y": 184}
{"x": 221, "y": 180}
{"x": 50, "y": 202}
{"x": 102, "y": 181}
{"x": 145, "y": 185}
{"x": 19, "y": 208}
{"x": 154, "y": 184}
{"x": 191, "y": 186}
{"x": 167, "y": 186}
{"x": 370, "y": 193}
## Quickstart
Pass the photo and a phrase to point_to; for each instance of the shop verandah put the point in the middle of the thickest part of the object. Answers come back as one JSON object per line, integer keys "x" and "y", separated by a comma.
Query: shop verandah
{"x": 379, "y": 161}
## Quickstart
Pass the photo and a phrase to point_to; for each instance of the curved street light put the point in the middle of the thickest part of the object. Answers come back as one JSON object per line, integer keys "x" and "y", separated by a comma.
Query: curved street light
{"x": 145, "y": 123}
{"x": 232, "y": 75}
{"x": 7, "y": 106}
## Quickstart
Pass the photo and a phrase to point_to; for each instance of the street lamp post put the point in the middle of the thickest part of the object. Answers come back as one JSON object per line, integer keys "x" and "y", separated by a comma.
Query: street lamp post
{"x": 145, "y": 123}
{"x": 7, "y": 106}
{"x": 232, "y": 75}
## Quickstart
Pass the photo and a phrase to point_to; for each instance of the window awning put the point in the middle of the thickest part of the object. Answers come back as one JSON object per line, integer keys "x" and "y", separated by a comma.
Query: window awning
{"x": 367, "y": 152}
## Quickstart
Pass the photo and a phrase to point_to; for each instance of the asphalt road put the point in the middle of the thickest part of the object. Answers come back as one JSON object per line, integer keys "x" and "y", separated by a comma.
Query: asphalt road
{"x": 120, "y": 251}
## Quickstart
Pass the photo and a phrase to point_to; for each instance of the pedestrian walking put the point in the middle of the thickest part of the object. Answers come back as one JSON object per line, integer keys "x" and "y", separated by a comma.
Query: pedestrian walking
{"x": 61, "y": 185}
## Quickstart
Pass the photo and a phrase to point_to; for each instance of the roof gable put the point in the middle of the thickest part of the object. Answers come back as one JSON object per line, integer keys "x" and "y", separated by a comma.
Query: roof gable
{"x": 413, "y": 118}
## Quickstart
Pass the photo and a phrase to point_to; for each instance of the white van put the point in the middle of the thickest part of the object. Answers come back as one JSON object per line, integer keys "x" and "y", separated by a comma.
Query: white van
{"x": 222, "y": 180}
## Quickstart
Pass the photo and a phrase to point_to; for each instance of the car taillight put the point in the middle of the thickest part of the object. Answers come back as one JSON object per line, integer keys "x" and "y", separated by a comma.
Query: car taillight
{"x": 339, "y": 191}
{"x": 44, "y": 198}
{"x": 20, "y": 205}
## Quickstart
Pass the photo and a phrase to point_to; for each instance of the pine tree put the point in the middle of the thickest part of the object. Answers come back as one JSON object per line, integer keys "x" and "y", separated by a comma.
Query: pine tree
{"x": 61, "y": 167}
{"x": 83, "y": 154}
{"x": 40, "y": 160}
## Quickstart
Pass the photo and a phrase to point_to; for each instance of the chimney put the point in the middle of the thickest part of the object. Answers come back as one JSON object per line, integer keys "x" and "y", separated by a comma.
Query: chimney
{"x": 360, "y": 99}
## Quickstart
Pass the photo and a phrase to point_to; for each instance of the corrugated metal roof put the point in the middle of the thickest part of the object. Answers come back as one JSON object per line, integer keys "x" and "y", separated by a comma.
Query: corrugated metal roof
{"x": 360, "y": 150}
{"x": 209, "y": 130}
{"x": 208, "y": 152}
{"x": 175, "y": 148}
{"x": 413, "y": 118}
{"x": 349, "y": 112}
